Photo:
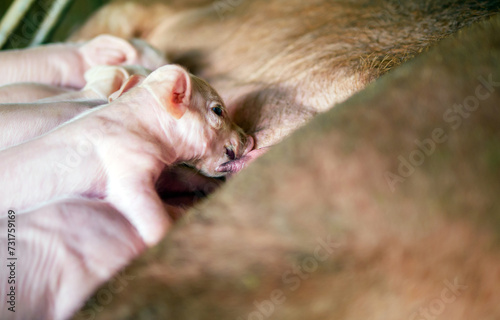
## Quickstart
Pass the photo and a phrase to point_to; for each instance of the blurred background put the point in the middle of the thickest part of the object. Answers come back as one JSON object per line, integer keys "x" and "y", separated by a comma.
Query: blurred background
{"x": 32, "y": 22}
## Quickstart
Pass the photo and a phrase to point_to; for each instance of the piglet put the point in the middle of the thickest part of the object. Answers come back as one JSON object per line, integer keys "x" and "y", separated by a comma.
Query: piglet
{"x": 117, "y": 151}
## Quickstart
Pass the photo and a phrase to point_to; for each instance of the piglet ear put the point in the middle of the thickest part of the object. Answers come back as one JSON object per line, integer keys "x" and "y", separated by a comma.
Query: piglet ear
{"x": 105, "y": 80}
{"x": 131, "y": 82}
{"x": 108, "y": 50}
{"x": 170, "y": 85}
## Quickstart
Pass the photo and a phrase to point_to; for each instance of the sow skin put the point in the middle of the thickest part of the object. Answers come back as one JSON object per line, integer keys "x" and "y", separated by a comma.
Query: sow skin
{"x": 325, "y": 235}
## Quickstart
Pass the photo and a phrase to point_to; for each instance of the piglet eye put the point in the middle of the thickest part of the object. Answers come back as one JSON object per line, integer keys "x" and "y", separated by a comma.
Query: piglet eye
{"x": 217, "y": 110}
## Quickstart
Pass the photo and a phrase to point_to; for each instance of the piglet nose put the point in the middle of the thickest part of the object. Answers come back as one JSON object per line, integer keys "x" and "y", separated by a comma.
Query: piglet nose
{"x": 230, "y": 154}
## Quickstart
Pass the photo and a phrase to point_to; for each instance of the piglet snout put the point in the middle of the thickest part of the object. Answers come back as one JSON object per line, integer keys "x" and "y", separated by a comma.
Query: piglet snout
{"x": 236, "y": 164}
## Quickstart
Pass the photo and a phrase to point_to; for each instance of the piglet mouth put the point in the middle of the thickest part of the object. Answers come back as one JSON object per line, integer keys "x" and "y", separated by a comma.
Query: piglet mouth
{"x": 236, "y": 164}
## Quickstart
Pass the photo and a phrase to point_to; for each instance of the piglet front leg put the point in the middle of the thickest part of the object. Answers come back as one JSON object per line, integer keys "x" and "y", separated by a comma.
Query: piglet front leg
{"x": 131, "y": 188}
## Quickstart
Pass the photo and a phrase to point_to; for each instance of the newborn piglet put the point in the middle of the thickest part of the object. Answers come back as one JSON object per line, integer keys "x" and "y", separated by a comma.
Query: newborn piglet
{"x": 122, "y": 147}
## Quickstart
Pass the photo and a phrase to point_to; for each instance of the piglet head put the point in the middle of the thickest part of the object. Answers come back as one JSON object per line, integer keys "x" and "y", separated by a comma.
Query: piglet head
{"x": 196, "y": 121}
